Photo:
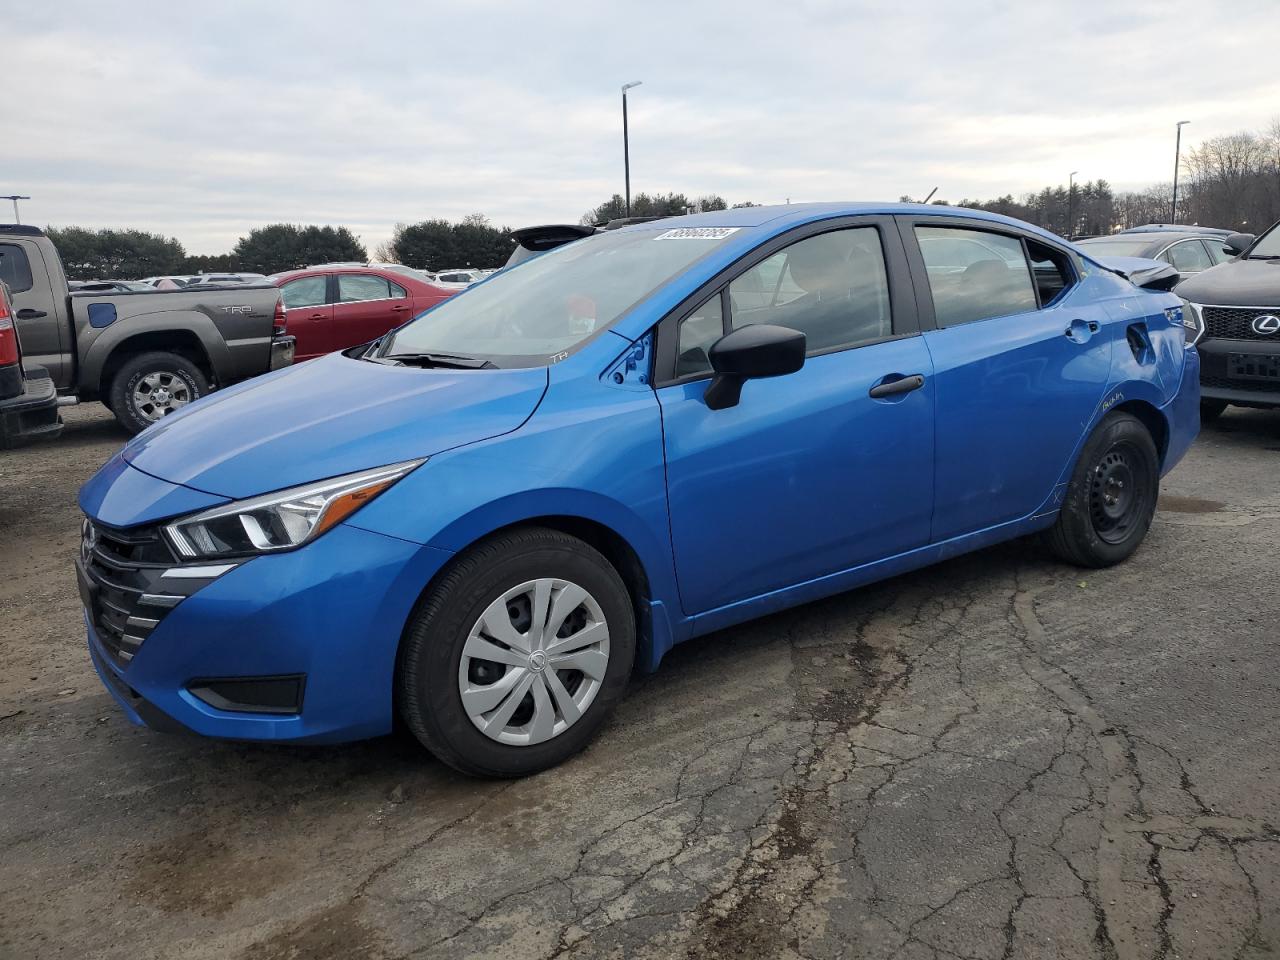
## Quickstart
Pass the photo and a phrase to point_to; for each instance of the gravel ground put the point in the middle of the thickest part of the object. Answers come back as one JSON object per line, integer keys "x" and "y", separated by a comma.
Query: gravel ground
{"x": 996, "y": 757}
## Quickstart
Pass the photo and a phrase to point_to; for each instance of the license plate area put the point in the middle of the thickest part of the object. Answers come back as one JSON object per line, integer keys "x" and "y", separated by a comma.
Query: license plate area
{"x": 1253, "y": 366}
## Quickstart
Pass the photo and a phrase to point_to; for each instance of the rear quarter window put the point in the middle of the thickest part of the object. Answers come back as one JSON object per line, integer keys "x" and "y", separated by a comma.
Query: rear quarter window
{"x": 15, "y": 268}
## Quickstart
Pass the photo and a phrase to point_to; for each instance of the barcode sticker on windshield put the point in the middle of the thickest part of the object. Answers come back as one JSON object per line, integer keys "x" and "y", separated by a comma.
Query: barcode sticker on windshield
{"x": 697, "y": 233}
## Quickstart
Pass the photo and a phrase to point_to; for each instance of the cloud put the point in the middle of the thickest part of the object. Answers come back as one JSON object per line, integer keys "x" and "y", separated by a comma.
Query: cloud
{"x": 204, "y": 123}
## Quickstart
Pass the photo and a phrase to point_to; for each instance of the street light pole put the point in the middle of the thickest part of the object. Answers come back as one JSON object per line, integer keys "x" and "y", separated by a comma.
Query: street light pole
{"x": 626, "y": 143}
{"x": 1177, "y": 157}
{"x": 15, "y": 198}
{"x": 1071, "y": 203}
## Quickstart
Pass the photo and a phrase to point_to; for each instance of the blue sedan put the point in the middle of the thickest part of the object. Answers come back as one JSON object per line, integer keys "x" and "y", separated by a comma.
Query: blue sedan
{"x": 486, "y": 520}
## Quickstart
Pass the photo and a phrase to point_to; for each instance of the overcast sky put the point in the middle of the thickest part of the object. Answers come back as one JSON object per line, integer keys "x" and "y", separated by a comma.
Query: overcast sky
{"x": 201, "y": 121}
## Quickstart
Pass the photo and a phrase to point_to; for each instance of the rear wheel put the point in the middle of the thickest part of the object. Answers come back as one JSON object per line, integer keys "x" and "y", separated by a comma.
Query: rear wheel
{"x": 1211, "y": 410}
{"x": 1111, "y": 497}
{"x": 151, "y": 386}
{"x": 519, "y": 654}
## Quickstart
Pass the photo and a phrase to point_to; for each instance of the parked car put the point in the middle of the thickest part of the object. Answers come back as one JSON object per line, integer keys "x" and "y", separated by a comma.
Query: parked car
{"x": 143, "y": 354}
{"x": 483, "y": 520}
{"x": 1180, "y": 228}
{"x": 1189, "y": 252}
{"x": 225, "y": 278}
{"x": 332, "y": 308}
{"x": 1237, "y": 312}
{"x": 106, "y": 286}
{"x": 28, "y": 399}
{"x": 166, "y": 283}
{"x": 466, "y": 277}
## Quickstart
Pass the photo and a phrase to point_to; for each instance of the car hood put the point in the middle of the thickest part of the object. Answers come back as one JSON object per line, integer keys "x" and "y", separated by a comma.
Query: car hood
{"x": 328, "y": 417}
{"x": 1236, "y": 283}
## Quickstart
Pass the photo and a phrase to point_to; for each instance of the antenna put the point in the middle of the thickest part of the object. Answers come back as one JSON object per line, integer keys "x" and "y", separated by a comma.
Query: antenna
{"x": 930, "y": 197}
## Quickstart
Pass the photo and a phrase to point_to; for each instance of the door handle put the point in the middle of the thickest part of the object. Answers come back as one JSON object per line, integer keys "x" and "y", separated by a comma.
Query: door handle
{"x": 400, "y": 308}
{"x": 29, "y": 314}
{"x": 316, "y": 316}
{"x": 1078, "y": 328}
{"x": 895, "y": 387}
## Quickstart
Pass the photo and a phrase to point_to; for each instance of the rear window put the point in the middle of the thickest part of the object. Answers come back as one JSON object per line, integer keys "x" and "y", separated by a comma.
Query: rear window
{"x": 15, "y": 268}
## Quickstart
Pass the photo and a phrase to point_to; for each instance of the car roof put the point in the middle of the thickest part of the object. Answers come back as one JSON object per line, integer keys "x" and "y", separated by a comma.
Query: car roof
{"x": 783, "y": 216}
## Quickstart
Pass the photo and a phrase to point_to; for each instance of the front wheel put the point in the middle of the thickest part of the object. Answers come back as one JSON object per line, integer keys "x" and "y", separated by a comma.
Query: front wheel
{"x": 151, "y": 386}
{"x": 1111, "y": 497}
{"x": 518, "y": 655}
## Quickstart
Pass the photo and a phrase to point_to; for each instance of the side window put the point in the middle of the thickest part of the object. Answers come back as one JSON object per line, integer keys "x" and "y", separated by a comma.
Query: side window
{"x": 997, "y": 285}
{"x": 15, "y": 269}
{"x": 832, "y": 287}
{"x": 1218, "y": 251}
{"x": 356, "y": 286}
{"x": 306, "y": 292}
{"x": 1051, "y": 270}
{"x": 397, "y": 292}
{"x": 1189, "y": 256}
{"x": 698, "y": 332}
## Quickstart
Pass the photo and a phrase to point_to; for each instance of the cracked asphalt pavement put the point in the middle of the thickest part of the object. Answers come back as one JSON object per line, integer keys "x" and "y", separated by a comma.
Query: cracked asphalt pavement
{"x": 1000, "y": 756}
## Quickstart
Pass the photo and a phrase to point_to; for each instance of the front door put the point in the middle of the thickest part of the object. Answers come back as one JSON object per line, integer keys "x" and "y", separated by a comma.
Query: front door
{"x": 808, "y": 474}
{"x": 1021, "y": 362}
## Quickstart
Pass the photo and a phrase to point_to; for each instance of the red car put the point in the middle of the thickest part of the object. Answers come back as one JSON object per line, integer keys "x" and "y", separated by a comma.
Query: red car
{"x": 331, "y": 308}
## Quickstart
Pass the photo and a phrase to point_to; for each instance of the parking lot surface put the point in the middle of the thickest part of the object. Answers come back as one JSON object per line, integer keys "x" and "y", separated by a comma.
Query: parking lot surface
{"x": 997, "y": 757}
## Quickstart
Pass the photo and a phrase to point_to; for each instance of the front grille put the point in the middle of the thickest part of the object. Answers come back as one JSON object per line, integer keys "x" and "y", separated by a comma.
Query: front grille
{"x": 130, "y": 584}
{"x": 1236, "y": 323}
{"x": 1226, "y": 383}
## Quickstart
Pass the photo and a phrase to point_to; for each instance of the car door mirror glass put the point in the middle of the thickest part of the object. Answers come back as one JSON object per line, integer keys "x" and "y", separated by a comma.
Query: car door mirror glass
{"x": 751, "y": 352}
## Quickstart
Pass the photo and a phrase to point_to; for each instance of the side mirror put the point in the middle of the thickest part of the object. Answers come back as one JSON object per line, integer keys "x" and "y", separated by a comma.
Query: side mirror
{"x": 1238, "y": 243}
{"x": 758, "y": 350}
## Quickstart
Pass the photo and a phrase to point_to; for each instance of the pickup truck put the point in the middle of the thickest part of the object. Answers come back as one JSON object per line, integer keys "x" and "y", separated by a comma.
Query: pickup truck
{"x": 28, "y": 401}
{"x": 143, "y": 354}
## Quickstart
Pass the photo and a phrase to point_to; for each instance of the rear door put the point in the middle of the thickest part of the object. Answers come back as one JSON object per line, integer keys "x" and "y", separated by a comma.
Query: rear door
{"x": 1021, "y": 361}
{"x": 367, "y": 305}
{"x": 38, "y": 309}
{"x": 309, "y": 315}
{"x": 809, "y": 474}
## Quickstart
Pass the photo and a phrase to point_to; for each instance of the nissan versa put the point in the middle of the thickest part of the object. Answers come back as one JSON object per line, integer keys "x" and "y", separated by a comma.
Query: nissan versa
{"x": 482, "y": 522}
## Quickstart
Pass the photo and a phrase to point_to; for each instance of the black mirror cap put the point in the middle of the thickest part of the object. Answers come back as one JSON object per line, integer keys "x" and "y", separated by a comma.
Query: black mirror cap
{"x": 750, "y": 352}
{"x": 1238, "y": 243}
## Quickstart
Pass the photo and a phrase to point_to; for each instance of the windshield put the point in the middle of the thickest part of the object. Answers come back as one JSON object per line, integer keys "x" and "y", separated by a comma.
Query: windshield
{"x": 530, "y": 314}
{"x": 1268, "y": 247}
{"x": 1116, "y": 246}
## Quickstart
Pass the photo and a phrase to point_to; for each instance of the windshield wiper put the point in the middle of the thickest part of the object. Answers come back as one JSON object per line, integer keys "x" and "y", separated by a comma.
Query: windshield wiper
{"x": 452, "y": 360}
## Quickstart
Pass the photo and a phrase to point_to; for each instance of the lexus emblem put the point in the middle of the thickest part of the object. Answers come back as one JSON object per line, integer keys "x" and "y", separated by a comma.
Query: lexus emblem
{"x": 1266, "y": 324}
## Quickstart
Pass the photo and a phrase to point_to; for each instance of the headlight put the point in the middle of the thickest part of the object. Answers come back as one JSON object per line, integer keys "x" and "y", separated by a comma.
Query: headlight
{"x": 1192, "y": 321}
{"x": 282, "y": 520}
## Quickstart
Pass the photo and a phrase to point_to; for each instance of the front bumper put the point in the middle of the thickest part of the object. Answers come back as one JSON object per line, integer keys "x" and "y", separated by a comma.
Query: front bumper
{"x": 329, "y": 615}
{"x": 1216, "y": 383}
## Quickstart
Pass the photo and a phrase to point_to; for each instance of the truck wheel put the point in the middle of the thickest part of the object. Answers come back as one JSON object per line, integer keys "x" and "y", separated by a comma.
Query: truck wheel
{"x": 151, "y": 386}
{"x": 517, "y": 656}
{"x": 1111, "y": 497}
{"x": 1211, "y": 410}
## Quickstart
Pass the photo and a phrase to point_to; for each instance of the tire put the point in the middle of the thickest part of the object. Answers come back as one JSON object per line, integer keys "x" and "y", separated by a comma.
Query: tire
{"x": 173, "y": 378}
{"x": 1211, "y": 410}
{"x": 1111, "y": 497}
{"x": 493, "y": 589}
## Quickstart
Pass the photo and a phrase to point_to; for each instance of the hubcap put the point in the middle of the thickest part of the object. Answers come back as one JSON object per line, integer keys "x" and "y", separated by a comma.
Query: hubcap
{"x": 534, "y": 662}
{"x": 159, "y": 394}
{"x": 1116, "y": 501}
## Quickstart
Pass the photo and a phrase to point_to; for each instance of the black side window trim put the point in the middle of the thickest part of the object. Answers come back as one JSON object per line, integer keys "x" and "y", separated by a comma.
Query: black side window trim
{"x": 924, "y": 293}
{"x": 902, "y": 301}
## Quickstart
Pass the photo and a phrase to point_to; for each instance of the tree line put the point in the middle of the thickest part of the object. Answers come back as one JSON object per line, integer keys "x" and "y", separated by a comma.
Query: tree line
{"x": 1232, "y": 182}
